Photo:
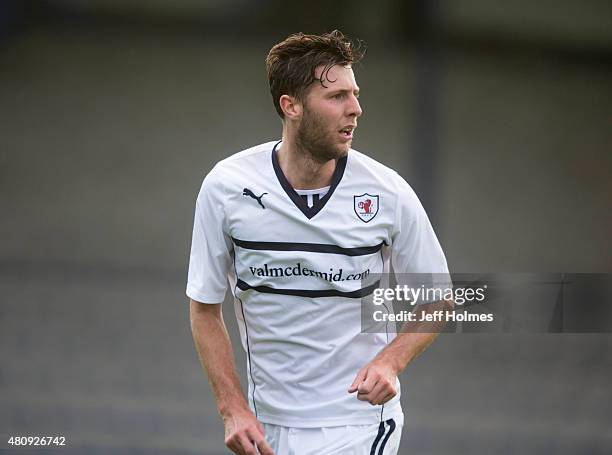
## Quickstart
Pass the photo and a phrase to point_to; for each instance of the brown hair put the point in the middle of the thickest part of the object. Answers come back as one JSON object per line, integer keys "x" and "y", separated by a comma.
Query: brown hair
{"x": 291, "y": 63}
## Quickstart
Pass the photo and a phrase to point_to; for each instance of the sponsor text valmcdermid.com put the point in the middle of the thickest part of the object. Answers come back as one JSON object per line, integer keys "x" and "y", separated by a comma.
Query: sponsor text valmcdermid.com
{"x": 299, "y": 270}
{"x": 515, "y": 303}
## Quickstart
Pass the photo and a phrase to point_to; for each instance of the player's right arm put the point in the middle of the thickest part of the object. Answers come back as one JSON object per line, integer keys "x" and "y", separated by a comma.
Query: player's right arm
{"x": 210, "y": 261}
{"x": 242, "y": 430}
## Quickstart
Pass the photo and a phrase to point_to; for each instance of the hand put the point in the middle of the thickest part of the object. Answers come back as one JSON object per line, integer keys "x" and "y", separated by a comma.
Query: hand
{"x": 244, "y": 435}
{"x": 375, "y": 383}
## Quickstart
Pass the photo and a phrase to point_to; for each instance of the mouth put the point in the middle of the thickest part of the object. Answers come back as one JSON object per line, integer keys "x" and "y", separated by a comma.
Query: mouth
{"x": 347, "y": 132}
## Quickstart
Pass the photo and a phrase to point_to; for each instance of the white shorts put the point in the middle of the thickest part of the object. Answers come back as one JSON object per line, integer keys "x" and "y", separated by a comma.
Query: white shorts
{"x": 375, "y": 439}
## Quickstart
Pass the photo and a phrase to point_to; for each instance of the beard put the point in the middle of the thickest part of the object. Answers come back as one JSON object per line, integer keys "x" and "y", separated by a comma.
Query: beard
{"x": 317, "y": 141}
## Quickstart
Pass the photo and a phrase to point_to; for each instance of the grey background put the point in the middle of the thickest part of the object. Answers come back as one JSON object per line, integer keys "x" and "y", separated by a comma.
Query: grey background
{"x": 112, "y": 112}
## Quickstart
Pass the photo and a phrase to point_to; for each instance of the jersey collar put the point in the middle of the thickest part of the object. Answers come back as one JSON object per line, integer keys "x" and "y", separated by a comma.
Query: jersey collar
{"x": 309, "y": 212}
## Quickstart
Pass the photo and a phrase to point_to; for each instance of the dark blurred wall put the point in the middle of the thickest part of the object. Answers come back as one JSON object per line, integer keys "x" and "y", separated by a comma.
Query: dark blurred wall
{"x": 129, "y": 116}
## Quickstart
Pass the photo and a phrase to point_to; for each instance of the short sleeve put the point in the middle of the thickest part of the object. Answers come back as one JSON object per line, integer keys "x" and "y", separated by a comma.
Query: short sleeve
{"x": 211, "y": 247}
{"x": 416, "y": 254}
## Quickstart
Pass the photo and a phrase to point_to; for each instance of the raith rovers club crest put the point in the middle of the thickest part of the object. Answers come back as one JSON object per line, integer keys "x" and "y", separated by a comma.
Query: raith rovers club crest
{"x": 366, "y": 206}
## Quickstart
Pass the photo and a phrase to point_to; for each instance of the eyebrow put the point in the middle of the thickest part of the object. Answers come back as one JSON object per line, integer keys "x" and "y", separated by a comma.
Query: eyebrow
{"x": 333, "y": 92}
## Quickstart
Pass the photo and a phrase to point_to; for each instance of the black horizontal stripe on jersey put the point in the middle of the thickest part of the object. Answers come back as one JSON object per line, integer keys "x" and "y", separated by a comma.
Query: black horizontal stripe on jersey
{"x": 310, "y": 247}
{"x": 244, "y": 286}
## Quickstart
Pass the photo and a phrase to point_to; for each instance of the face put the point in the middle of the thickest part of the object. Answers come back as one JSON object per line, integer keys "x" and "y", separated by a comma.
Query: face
{"x": 329, "y": 115}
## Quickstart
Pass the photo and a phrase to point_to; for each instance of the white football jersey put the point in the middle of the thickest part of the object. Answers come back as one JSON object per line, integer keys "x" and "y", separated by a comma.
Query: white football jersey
{"x": 295, "y": 272}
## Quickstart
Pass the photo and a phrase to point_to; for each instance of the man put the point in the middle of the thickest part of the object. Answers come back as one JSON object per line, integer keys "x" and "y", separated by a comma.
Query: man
{"x": 295, "y": 225}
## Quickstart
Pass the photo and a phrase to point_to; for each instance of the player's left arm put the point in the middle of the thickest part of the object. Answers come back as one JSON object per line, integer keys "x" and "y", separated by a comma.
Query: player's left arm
{"x": 376, "y": 381}
{"x": 415, "y": 250}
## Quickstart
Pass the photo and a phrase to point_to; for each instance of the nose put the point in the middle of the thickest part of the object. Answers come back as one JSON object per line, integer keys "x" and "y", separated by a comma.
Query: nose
{"x": 354, "y": 107}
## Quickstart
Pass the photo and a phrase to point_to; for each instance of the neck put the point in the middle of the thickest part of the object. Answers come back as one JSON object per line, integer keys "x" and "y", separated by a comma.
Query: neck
{"x": 300, "y": 168}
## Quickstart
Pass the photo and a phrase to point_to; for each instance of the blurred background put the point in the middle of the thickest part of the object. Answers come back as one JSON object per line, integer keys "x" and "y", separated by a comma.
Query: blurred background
{"x": 111, "y": 112}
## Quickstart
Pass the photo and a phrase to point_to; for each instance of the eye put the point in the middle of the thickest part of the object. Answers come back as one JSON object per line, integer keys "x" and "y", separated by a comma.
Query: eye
{"x": 339, "y": 96}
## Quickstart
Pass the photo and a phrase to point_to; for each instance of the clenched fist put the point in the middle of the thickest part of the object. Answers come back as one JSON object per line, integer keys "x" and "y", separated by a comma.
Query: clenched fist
{"x": 375, "y": 383}
{"x": 244, "y": 435}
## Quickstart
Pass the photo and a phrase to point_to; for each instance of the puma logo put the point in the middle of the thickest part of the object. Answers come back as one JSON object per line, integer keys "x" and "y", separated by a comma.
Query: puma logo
{"x": 247, "y": 192}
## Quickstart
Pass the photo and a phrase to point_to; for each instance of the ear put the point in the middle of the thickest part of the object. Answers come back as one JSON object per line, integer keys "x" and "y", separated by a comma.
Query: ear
{"x": 291, "y": 106}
